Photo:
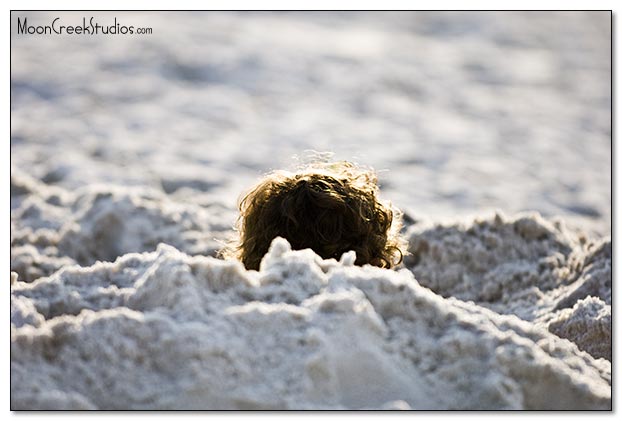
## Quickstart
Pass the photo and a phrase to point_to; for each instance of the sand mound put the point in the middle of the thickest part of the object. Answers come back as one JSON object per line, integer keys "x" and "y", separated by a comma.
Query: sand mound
{"x": 535, "y": 269}
{"x": 53, "y": 227}
{"x": 164, "y": 330}
{"x": 172, "y": 328}
{"x": 526, "y": 265}
{"x": 588, "y": 324}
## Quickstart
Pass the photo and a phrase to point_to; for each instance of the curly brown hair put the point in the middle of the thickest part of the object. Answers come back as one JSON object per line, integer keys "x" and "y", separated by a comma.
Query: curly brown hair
{"x": 331, "y": 208}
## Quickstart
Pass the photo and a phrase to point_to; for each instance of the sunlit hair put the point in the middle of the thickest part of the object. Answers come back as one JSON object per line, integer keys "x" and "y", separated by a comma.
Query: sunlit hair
{"x": 329, "y": 207}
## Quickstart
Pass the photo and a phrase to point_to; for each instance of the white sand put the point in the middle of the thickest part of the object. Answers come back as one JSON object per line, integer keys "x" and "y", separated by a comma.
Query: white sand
{"x": 128, "y": 155}
{"x": 163, "y": 330}
{"x": 167, "y": 330}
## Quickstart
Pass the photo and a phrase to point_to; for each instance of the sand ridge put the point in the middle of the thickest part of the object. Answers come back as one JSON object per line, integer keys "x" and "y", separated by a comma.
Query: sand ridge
{"x": 163, "y": 329}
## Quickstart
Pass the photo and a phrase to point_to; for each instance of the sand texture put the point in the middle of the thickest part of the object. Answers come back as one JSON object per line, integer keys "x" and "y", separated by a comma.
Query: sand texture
{"x": 491, "y": 132}
{"x": 163, "y": 330}
{"x": 523, "y": 323}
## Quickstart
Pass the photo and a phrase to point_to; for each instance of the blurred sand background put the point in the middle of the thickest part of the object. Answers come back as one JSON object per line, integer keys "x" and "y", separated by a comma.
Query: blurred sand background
{"x": 460, "y": 112}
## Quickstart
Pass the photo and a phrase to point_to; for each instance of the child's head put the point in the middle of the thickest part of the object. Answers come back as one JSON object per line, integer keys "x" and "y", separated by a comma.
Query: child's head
{"x": 331, "y": 208}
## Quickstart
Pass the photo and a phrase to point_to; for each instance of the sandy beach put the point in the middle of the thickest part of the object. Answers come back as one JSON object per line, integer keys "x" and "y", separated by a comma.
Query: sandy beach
{"x": 491, "y": 131}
